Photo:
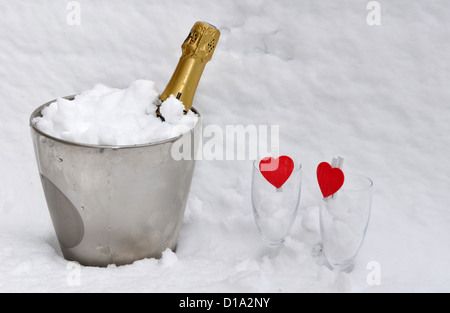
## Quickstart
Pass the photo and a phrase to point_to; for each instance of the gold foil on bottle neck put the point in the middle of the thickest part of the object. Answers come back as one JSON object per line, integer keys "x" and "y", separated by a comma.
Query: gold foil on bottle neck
{"x": 198, "y": 49}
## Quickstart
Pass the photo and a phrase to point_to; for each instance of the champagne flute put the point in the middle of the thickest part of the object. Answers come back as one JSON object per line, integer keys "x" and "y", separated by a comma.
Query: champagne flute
{"x": 344, "y": 219}
{"x": 275, "y": 210}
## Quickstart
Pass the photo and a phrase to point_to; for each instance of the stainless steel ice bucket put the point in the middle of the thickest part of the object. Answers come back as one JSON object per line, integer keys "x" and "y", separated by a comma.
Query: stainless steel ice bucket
{"x": 113, "y": 205}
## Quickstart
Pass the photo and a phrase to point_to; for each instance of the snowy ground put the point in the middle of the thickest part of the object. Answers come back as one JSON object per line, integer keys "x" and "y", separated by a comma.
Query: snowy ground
{"x": 377, "y": 95}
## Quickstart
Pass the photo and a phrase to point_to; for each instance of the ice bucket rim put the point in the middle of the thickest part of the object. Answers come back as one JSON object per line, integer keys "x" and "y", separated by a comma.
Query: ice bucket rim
{"x": 37, "y": 112}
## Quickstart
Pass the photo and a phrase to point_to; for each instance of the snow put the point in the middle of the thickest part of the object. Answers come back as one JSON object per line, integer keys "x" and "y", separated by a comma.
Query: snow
{"x": 173, "y": 109}
{"x": 110, "y": 116}
{"x": 376, "y": 95}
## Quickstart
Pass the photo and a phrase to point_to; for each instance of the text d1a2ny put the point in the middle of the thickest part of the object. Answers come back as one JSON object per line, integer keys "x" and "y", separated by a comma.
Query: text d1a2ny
{"x": 225, "y": 303}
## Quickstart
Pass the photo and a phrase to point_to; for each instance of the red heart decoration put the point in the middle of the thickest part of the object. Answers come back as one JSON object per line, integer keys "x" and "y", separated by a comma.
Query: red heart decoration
{"x": 330, "y": 179}
{"x": 277, "y": 171}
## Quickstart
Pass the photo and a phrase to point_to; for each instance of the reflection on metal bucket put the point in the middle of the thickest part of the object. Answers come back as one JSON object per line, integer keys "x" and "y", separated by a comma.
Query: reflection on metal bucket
{"x": 113, "y": 205}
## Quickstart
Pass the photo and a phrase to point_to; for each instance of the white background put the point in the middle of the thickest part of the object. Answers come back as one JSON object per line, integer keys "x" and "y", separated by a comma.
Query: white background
{"x": 377, "y": 95}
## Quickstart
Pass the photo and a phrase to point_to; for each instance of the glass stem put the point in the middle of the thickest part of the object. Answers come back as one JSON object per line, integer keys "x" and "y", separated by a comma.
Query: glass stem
{"x": 274, "y": 250}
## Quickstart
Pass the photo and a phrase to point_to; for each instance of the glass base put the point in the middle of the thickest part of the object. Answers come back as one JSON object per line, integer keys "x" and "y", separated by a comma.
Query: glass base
{"x": 344, "y": 268}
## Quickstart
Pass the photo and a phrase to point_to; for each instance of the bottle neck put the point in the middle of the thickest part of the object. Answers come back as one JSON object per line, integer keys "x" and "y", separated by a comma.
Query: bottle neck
{"x": 184, "y": 81}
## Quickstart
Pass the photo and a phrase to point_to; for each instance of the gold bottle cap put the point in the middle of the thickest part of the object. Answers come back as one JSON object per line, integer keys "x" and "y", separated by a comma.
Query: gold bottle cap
{"x": 201, "y": 42}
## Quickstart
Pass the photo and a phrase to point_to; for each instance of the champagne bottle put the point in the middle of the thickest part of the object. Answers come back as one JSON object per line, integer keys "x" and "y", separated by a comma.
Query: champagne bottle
{"x": 198, "y": 50}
